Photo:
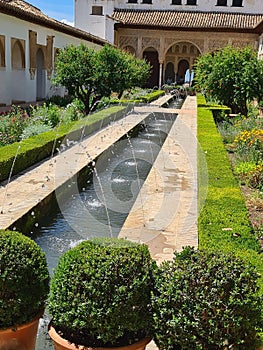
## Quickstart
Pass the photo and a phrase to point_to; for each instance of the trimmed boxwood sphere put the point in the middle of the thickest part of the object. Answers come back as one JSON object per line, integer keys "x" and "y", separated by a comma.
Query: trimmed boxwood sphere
{"x": 206, "y": 301}
{"x": 24, "y": 279}
{"x": 100, "y": 293}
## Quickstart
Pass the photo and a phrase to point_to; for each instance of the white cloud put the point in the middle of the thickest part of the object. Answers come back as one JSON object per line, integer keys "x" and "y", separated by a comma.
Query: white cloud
{"x": 67, "y": 22}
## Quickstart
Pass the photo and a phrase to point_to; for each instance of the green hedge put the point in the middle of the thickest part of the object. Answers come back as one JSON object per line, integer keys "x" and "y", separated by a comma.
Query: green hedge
{"x": 23, "y": 154}
{"x": 223, "y": 222}
{"x": 143, "y": 99}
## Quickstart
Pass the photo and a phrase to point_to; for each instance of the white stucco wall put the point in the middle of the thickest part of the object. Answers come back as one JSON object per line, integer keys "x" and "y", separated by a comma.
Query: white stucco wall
{"x": 17, "y": 84}
{"x": 249, "y": 6}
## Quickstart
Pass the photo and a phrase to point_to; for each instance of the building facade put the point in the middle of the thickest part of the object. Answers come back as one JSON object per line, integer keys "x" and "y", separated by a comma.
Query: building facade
{"x": 29, "y": 41}
{"x": 171, "y": 34}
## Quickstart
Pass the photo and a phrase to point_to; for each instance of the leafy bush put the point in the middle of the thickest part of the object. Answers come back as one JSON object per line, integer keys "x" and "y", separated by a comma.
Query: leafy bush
{"x": 34, "y": 129}
{"x": 101, "y": 292}
{"x": 12, "y": 125}
{"x": 206, "y": 302}
{"x": 24, "y": 279}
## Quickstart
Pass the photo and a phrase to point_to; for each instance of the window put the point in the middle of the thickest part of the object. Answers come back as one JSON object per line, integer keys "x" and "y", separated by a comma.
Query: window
{"x": 146, "y": 1}
{"x": 132, "y": 1}
{"x": 237, "y": 3}
{"x": 176, "y": 2}
{"x": 97, "y": 10}
{"x": 191, "y": 2}
{"x": 221, "y": 3}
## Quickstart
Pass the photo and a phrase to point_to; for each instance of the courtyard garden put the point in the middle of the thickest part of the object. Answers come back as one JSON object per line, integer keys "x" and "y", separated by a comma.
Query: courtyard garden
{"x": 111, "y": 289}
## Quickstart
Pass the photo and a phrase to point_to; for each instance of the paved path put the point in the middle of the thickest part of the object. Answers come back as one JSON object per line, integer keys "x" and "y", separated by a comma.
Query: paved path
{"x": 164, "y": 215}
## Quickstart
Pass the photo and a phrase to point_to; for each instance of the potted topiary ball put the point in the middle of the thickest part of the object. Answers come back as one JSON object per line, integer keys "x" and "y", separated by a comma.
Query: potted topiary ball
{"x": 206, "y": 301}
{"x": 100, "y": 296}
{"x": 24, "y": 286}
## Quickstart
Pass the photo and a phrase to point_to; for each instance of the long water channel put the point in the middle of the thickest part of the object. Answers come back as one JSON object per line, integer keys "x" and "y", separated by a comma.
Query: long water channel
{"x": 97, "y": 201}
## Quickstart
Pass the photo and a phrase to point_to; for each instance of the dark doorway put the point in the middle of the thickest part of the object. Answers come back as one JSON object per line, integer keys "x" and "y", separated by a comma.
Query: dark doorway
{"x": 183, "y": 65}
{"x": 151, "y": 56}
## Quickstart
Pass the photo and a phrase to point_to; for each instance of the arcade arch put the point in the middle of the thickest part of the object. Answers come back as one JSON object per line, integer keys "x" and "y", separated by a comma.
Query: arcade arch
{"x": 151, "y": 55}
{"x": 130, "y": 49}
{"x": 182, "y": 56}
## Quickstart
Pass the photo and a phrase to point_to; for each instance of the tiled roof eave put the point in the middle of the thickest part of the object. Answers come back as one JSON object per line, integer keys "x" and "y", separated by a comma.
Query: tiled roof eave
{"x": 10, "y": 10}
{"x": 189, "y": 20}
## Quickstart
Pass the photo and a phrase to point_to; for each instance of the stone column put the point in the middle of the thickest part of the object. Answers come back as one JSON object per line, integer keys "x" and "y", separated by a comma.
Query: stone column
{"x": 160, "y": 73}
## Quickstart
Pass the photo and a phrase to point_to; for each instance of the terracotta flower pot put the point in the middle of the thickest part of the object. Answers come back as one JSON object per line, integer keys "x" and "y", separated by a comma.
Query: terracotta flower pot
{"x": 23, "y": 338}
{"x": 63, "y": 344}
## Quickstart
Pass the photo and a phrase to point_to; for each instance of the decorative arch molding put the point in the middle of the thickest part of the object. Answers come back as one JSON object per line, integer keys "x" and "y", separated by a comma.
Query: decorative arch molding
{"x": 2, "y": 51}
{"x": 130, "y": 49}
{"x": 128, "y": 41}
{"x": 18, "y": 53}
{"x": 150, "y": 42}
{"x": 47, "y": 52}
{"x": 179, "y": 44}
{"x": 169, "y": 42}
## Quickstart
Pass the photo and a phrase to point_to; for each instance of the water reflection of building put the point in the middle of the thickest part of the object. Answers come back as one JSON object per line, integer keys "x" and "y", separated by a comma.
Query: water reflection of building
{"x": 171, "y": 34}
{"x": 29, "y": 41}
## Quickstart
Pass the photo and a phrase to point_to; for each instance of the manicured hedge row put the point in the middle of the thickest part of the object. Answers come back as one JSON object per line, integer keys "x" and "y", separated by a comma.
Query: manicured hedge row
{"x": 143, "y": 99}
{"x": 223, "y": 222}
{"x": 21, "y": 155}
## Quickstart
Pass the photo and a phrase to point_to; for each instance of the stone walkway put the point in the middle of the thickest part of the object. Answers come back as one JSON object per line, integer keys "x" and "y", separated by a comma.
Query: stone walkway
{"x": 164, "y": 215}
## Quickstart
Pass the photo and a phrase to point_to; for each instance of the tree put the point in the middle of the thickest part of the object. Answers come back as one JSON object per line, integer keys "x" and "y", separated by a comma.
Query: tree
{"x": 90, "y": 75}
{"x": 232, "y": 76}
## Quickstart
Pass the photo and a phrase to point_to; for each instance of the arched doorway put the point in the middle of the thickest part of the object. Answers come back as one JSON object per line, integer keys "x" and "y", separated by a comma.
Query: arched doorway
{"x": 183, "y": 65}
{"x": 169, "y": 75}
{"x": 151, "y": 56}
{"x": 40, "y": 76}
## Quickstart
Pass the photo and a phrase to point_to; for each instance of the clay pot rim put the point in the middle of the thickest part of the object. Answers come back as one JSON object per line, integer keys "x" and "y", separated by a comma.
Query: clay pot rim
{"x": 71, "y": 346}
{"x": 14, "y": 328}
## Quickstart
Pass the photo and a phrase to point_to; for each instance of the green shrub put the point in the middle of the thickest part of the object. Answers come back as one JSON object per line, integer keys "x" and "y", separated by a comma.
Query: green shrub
{"x": 34, "y": 129}
{"x": 206, "y": 302}
{"x": 101, "y": 291}
{"x": 12, "y": 125}
{"x": 24, "y": 279}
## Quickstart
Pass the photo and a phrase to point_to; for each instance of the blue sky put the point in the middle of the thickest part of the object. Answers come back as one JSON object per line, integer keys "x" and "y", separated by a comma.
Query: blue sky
{"x": 62, "y": 10}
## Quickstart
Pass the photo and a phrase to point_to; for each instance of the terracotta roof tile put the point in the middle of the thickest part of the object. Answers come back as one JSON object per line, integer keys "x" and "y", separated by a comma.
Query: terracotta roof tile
{"x": 187, "y": 19}
{"x": 25, "y": 11}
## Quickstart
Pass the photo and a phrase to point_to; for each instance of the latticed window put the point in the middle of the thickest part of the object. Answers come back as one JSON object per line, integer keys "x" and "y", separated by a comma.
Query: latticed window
{"x": 237, "y": 3}
{"x": 146, "y": 1}
{"x": 221, "y": 3}
{"x": 176, "y": 2}
{"x": 97, "y": 10}
{"x": 132, "y": 1}
{"x": 191, "y": 2}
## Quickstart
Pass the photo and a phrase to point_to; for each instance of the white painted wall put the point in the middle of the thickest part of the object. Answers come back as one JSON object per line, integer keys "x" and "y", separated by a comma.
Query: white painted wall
{"x": 249, "y": 6}
{"x": 17, "y": 84}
